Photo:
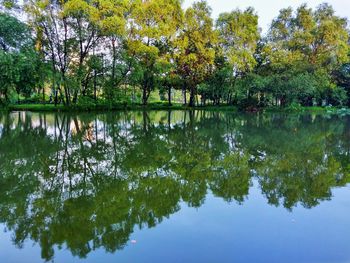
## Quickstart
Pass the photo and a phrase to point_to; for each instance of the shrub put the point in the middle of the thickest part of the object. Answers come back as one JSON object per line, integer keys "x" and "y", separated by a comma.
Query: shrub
{"x": 337, "y": 96}
{"x": 294, "y": 107}
{"x": 86, "y": 103}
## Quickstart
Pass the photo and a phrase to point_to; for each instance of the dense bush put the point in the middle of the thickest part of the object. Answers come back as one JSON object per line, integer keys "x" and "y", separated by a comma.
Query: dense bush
{"x": 86, "y": 103}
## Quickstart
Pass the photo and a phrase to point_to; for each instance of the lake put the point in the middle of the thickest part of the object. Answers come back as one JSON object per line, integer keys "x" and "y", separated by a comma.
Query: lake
{"x": 180, "y": 186}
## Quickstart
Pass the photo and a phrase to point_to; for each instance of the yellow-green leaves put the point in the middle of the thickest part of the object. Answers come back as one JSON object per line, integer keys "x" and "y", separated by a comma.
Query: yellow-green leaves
{"x": 152, "y": 20}
{"x": 196, "y": 43}
{"x": 239, "y": 35}
{"x": 155, "y": 18}
{"x": 318, "y": 37}
{"x": 151, "y": 28}
{"x": 195, "y": 46}
{"x": 107, "y": 15}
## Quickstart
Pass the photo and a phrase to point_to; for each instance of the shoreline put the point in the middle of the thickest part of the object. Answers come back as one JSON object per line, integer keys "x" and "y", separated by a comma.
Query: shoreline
{"x": 158, "y": 106}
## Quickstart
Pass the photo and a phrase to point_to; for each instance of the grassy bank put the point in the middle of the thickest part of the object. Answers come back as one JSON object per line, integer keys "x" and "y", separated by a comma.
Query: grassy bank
{"x": 314, "y": 109}
{"x": 165, "y": 106}
{"x": 80, "y": 108}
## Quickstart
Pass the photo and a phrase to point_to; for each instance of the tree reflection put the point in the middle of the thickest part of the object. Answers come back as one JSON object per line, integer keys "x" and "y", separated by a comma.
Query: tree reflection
{"x": 86, "y": 181}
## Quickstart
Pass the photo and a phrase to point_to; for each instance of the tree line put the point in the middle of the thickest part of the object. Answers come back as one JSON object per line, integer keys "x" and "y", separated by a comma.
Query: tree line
{"x": 110, "y": 51}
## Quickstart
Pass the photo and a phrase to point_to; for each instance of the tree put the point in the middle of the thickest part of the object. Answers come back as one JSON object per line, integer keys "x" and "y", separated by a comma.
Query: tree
{"x": 217, "y": 86}
{"x": 152, "y": 22}
{"x": 304, "y": 47}
{"x": 90, "y": 22}
{"x": 196, "y": 53}
{"x": 18, "y": 59}
{"x": 238, "y": 38}
{"x": 239, "y": 35}
{"x": 342, "y": 78}
{"x": 318, "y": 37}
{"x": 57, "y": 41}
{"x": 14, "y": 35}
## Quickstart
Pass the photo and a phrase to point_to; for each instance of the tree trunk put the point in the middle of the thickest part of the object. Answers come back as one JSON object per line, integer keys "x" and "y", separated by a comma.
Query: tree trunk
{"x": 113, "y": 61}
{"x": 184, "y": 94}
{"x": 95, "y": 85}
{"x": 75, "y": 95}
{"x": 56, "y": 97}
{"x": 43, "y": 89}
{"x": 229, "y": 100}
{"x": 144, "y": 95}
{"x": 6, "y": 96}
{"x": 66, "y": 95}
{"x": 192, "y": 98}
{"x": 169, "y": 96}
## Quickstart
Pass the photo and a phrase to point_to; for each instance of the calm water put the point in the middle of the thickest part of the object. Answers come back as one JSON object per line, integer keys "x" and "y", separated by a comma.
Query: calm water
{"x": 174, "y": 187}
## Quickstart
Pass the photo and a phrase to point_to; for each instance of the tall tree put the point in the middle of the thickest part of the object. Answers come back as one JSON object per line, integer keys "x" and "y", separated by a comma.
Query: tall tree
{"x": 239, "y": 35}
{"x": 57, "y": 40}
{"x": 318, "y": 37}
{"x": 18, "y": 59}
{"x": 309, "y": 44}
{"x": 196, "y": 53}
{"x": 151, "y": 22}
{"x": 90, "y": 22}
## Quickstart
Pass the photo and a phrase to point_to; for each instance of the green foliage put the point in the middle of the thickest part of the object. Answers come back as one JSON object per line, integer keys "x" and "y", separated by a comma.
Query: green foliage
{"x": 86, "y": 103}
{"x": 342, "y": 79}
{"x": 153, "y": 25}
{"x": 294, "y": 107}
{"x": 14, "y": 35}
{"x": 127, "y": 51}
{"x": 196, "y": 55}
{"x": 19, "y": 63}
{"x": 239, "y": 35}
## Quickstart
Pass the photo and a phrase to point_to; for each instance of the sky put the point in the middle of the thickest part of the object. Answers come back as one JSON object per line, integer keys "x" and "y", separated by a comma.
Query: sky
{"x": 268, "y": 9}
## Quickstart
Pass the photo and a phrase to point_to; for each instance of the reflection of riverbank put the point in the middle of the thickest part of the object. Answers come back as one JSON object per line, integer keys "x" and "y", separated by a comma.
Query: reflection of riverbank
{"x": 84, "y": 178}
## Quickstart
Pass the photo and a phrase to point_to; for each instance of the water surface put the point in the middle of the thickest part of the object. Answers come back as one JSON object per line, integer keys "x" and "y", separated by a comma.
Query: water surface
{"x": 175, "y": 186}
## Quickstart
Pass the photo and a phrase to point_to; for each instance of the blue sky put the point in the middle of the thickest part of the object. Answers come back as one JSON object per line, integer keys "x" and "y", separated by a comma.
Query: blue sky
{"x": 268, "y": 9}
